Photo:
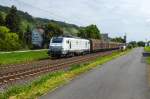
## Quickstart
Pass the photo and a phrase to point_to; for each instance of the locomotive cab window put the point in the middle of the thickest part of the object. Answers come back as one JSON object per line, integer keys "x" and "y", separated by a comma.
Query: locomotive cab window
{"x": 57, "y": 40}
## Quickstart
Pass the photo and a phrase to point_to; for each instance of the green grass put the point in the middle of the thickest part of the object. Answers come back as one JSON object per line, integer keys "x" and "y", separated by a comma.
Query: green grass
{"x": 147, "y": 49}
{"x": 15, "y": 57}
{"x": 148, "y": 70}
{"x": 51, "y": 81}
{"x": 148, "y": 60}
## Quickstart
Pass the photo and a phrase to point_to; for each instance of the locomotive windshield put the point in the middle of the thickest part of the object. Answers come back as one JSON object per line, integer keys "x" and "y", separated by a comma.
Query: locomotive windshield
{"x": 57, "y": 40}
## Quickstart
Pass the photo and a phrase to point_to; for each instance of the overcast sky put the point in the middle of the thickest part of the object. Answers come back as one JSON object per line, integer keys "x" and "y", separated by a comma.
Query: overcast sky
{"x": 115, "y": 17}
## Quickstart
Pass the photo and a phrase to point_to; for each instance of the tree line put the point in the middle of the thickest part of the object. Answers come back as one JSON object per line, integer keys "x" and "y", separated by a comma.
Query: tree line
{"x": 10, "y": 34}
{"x": 136, "y": 44}
{"x": 13, "y": 36}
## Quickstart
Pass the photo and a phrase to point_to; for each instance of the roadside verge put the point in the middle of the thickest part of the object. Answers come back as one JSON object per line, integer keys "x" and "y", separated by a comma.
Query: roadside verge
{"x": 147, "y": 55}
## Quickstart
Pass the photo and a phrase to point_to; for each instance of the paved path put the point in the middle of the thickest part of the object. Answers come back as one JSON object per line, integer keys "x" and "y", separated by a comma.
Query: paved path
{"x": 122, "y": 78}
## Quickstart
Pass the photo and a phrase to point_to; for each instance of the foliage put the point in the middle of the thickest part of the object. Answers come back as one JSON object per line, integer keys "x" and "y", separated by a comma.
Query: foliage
{"x": 2, "y": 21}
{"x": 51, "y": 81}
{"x": 141, "y": 43}
{"x": 33, "y": 21}
{"x": 118, "y": 39}
{"x": 13, "y": 20}
{"x": 52, "y": 29}
{"x": 20, "y": 22}
{"x": 8, "y": 41}
{"x": 3, "y": 31}
{"x": 133, "y": 43}
{"x": 129, "y": 46}
{"x": 27, "y": 35}
{"x": 90, "y": 31}
{"x": 19, "y": 57}
{"x": 11, "y": 42}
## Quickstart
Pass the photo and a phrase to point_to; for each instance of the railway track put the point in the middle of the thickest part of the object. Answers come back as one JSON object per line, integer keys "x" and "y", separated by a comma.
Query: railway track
{"x": 37, "y": 64}
{"x": 45, "y": 67}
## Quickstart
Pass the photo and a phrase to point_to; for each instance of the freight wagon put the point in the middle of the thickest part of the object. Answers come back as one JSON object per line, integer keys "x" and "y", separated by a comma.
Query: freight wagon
{"x": 99, "y": 45}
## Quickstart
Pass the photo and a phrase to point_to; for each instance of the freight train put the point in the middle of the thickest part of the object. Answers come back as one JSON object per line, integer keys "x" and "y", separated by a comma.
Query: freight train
{"x": 70, "y": 46}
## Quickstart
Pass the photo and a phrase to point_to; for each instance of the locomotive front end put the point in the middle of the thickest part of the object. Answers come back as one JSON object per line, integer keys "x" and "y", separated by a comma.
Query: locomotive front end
{"x": 56, "y": 46}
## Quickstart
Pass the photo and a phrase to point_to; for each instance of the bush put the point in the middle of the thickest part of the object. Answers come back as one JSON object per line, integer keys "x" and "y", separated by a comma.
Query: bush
{"x": 12, "y": 42}
{"x": 3, "y": 31}
{"x": 8, "y": 41}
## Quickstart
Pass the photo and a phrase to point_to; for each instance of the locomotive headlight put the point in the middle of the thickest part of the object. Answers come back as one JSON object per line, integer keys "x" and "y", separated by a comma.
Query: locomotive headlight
{"x": 63, "y": 51}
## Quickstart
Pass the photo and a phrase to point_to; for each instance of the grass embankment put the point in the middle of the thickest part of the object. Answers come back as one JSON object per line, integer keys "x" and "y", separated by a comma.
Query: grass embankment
{"x": 147, "y": 49}
{"x": 51, "y": 81}
{"x": 19, "y": 57}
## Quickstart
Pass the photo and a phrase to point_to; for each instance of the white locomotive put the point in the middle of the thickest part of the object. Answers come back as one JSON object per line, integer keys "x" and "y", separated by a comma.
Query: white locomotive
{"x": 62, "y": 46}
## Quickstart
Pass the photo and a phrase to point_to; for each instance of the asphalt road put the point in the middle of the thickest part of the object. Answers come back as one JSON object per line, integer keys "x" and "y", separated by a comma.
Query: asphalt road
{"x": 121, "y": 78}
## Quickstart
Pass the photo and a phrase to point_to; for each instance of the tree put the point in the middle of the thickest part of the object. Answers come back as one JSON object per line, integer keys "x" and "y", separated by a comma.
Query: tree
{"x": 118, "y": 39}
{"x": 52, "y": 29}
{"x": 133, "y": 43}
{"x": 82, "y": 33}
{"x": 8, "y": 41}
{"x": 27, "y": 35}
{"x": 90, "y": 31}
{"x": 13, "y": 20}
{"x": 3, "y": 31}
{"x": 2, "y": 21}
{"x": 11, "y": 42}
{"x": 141, "y": 43}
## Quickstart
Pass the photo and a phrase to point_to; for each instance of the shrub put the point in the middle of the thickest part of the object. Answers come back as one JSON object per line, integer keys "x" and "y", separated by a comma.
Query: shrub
{"x": 12, "y": 42}
{"x": 8, "y": 41}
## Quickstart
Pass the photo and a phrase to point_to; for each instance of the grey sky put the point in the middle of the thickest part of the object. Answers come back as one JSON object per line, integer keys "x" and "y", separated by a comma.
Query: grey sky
{"x": 111, "y": 16}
